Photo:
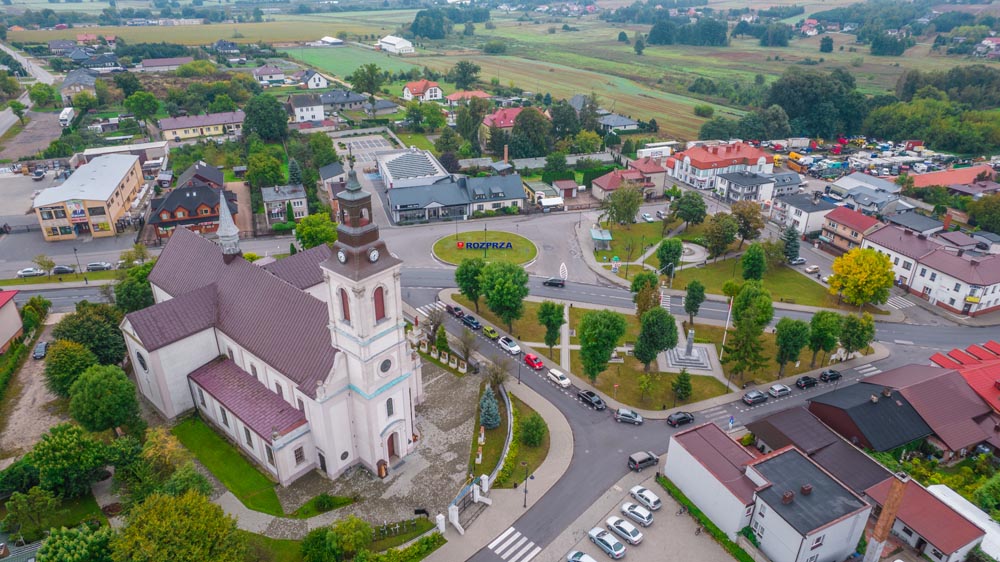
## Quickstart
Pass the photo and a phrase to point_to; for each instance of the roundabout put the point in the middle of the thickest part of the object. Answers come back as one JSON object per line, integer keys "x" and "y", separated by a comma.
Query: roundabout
{"x": 491, "y": 245}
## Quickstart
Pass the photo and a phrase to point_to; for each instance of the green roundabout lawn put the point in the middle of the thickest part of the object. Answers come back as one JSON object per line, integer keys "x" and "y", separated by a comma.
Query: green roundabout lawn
{"x": 499, "y": 246}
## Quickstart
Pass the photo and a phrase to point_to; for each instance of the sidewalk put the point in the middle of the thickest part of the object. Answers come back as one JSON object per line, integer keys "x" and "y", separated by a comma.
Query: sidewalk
{"x": 57, "y": 286}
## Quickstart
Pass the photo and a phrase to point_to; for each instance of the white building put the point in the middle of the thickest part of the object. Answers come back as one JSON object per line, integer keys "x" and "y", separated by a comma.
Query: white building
{"x": 423, "y": 90}
{"x": 314, "y": 80}
{"x": 803, "y": 211}
{"x": 745, "y": 186}
{"x": 904, "y": 248}
{"x": 305, "y": 107}
{"x": 396, "y": 45}
{"x": 960, "y": 282}
{"x": 699, "y": 166}
{"x": 304, "y": 364}
{"x": 409, "y": 168}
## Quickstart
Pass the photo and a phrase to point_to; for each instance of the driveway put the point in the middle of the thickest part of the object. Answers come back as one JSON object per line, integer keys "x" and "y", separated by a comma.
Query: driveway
{"x": 42, "y": 129}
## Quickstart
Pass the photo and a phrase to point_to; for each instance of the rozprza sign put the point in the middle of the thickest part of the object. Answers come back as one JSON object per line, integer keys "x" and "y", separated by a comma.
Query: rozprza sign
{"x": 485, "y": 246}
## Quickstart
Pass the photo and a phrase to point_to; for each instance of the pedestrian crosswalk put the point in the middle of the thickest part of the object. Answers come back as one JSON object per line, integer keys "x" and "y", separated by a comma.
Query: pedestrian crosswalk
{"x": 899, "y": 303}
{"x": 427, "y": 308}
{"x": 868, "y": 370}
{"x": 512, "y": 546}
{"x": 666, "y": 301}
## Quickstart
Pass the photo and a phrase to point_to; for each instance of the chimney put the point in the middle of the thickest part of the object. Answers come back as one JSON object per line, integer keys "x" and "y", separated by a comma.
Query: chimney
{"x": 806, "y": 489}
{"x": 960, "y": 252}
{"x": 505, "y": 151}
{"x": 887, "y": 392}
{"x": 908, "y": 232}
{"x": 886, "y": 519}
{"x": 947, "y": 222}
{"x": 922, "y": 236}
{"x": 787, "y": 497}
{"x": 874, "y": 398}
{"x": 973, "y": 263}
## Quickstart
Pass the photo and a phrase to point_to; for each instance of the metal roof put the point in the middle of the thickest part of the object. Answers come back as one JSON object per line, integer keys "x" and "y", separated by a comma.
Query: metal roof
{"x": 886, "y": 423}
{"x": 931, "y": 518}
{"x": 721, "y": 456}
{"x": 915, "y": 221}
{"x": 94, "y": 181}
{"x": 282, "y": 193}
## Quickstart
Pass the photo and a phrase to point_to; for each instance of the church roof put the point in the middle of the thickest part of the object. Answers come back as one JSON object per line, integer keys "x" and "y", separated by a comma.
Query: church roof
{"x": 302, "y": 270}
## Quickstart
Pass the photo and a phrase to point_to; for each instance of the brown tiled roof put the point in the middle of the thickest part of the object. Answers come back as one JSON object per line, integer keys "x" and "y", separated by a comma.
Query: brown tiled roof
{"x": 420, "y": 86}
{"x": 902, "y": 241}
{"x": 982, "y": 270}
{"x": 851, "y": 219}
{"x": 503, "y": 118}
{"x": 565, "y": 184}
{"x": 263, "y": 411}
{"x": 273, "y": 319}
{"x": 705, "y": 157}
{"x": 614, "y": 179}
{"x": 175, "y": 319}
{"x": 647, "y": 165}
{"x": 721, "y": 456}
{"x": 930, "y": 517}
{"x": 301, "y": 270}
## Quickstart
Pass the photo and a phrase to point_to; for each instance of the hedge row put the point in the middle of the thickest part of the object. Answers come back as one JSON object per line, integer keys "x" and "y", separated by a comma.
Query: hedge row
{"x": 416, "y": 551}
{"x": 515, "y": 441}
{"x": 11, "y": 362}
{"x": 716, "y": 533}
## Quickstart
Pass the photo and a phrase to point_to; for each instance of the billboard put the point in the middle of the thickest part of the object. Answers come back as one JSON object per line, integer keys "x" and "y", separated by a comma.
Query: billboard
{"x": 77, "y": 213}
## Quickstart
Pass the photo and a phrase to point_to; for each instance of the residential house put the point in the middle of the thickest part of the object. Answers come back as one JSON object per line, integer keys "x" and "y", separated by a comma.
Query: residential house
{"x": 11, "y": 327}
{"x": 911, "y": 220}
{"x": 103, "y": 64}
{"x": 456, "y": 198}
{"x": 86, "y": 39}
{"x": 333, "y": 180}
{"x": 653, "y": 171}
{"x": 958, "y": 240}
{"x": 874, "y": 201}
{"x": 870, "y": 416}
{"x": 613, "y": 180}
{"x": 988, "y": 47}
{"x": 410, "y": 167}
{"x": 61, "y": 47}
{"x": 313, "y": 80}
{"x": 979, "y": 365}
{"x": 225, "y": 47}
{"x": 845, "y": 229}
{"x": 422, "y": 90}
{"x": 79, "y": 56}
{"x": 195, "y": 208}
{"x": 163, "y": 65}
{"x": 954, "y": 176}
{"x": 503, "y": 119}
{"x": 201, "y": 173}
{"x": 269, "y": 75}
{"x": 92, "y": 200}
{"x": 745, "y": 186}
{"x": 300, "y": 380}
{"x": 76, "y": 81}
{"x": 380, "y": 107}
{"x": 786, "y": 183}
{"x": 339, "y": 100}
{"x": 209, "y": 125}
{"x": 803, "y": 211}
{"x": 395, "y": 45}
{"x": 305, "y": 107}
{"x": 960, "y": 282}
{"x": 615, "y": 122}
{"x": 278, "y": 197}
{"x": 975, "y": 189}
{"x": 843, "y": 185}
{"x": 700, "y": 166}
{"x": 459, "y": 98}
{"x": 904, "y": 248}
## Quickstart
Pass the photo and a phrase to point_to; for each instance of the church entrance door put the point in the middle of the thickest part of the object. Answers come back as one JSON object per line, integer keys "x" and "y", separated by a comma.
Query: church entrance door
{"x": 390, "y": 444}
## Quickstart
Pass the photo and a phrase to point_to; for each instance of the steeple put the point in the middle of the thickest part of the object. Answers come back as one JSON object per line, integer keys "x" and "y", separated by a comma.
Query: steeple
{"x": 228, "y": 232}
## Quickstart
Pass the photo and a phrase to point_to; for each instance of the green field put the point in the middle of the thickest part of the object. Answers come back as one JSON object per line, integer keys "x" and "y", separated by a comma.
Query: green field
{"x": 341, "y": 61}
{"x": 447, "y": 249}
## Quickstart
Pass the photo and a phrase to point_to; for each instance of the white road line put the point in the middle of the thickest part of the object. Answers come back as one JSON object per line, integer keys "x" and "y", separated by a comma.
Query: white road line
{"x": 497, "y": 540}
{"x": 526, "y": 548}
{"x": 903, "y": 342}
{"x": 508, "y": 542}
{"x": 532, "y": 555}
{"x": 514, "y": 548}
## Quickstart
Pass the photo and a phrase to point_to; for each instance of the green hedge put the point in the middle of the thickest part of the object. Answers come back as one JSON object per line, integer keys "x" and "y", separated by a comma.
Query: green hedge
{"x": 11, "y": 362}
{"x": 509, "y": 461}
{"x": 716, "y": 533}
{"x": 416, "y": 551}
{"x": 590, "y": 175}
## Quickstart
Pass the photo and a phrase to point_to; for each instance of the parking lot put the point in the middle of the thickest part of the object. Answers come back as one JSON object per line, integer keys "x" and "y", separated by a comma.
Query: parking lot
{"x": 364, "y": 148}
{"x": 16, "y": 194}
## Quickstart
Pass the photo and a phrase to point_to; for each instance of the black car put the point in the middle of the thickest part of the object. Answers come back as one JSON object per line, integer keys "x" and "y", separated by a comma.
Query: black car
{"x": 806, "y": 381}
{"x": 754, "y": 397}
{"x": 590, "y": 398}
{"x": 62, "y": 270}
{"x": 830, "y": 375}
{"x": 677, "y": 419}
{"x": 41, "y": 350}
{"x": 471, "y": 322}
{"x": 554, "y": 282}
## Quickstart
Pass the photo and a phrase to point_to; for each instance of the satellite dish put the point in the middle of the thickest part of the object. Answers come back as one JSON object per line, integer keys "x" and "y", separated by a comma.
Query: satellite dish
{"x": 563, "y": 272}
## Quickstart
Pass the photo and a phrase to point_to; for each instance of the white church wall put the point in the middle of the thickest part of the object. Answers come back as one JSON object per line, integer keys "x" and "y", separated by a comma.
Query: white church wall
{"x": 176, "y": 361}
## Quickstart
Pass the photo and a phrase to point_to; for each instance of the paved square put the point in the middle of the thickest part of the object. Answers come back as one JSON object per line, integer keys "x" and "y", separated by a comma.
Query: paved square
{"x": 364, "y": 148}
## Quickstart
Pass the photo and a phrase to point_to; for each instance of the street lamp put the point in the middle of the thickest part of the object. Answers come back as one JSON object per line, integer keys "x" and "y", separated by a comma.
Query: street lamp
{"x": 484, "y": 241}
{"x": 526, "y": 478}
{"x": 518, "y": 372}
{"x": 75, "y": 255}
{"x": 671, "y": 277}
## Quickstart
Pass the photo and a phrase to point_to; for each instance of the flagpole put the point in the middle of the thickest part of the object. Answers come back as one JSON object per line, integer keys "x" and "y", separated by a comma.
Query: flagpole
{"x": 726, "y": 332}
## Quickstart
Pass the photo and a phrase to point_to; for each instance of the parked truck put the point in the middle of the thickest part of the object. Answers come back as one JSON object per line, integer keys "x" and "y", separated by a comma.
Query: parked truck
{"x": 799, "y": 162}
{"x": 66, "y": 117}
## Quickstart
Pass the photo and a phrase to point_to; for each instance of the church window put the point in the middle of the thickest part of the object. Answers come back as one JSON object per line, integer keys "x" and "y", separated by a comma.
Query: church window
{"x": 225, "y": 418}
{"x": 388, "y": 408}
{"x": 277, "y": 388}
{"x": 253, "y": 370}
{"x": 300, "y": 456}
{"x": 302, "y": 407}
{"x": 270, "y": 455}
{"x": 201, "y": 397}
{"x": 345, "y": 306}
{"x": 249, "y": 438}
{"x": 344, "y": 455}
{"x": 379, "y": 298}
{"x": 142, "y": 361}
{"x": 384, "y": 367}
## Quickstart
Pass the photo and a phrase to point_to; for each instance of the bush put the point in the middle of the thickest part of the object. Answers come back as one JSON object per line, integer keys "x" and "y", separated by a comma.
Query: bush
{"x": 489, "y": 411}
{"x": 495, "y": 48}
{"x": 534, "y": 430}
{"x": 19, "y": 477}
{"x": 13, "y": 359}
{"x": 65, "y": 362}
{"x": 747, "y": 440}
{"x": 324, "y": 502}
{"x": 590, "y": 175}
{"x": 283, "y": 227}
{"x": 704, "y": 110}
{"x": 509, "y": 463}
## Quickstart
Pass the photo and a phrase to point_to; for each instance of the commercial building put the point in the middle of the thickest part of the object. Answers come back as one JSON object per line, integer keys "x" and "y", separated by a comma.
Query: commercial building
{"x": 209, "y": 125}
{"x": 700, "y": 166}
{"x": 91, "y": 200}
{"x": 745, "y": 186}
{"x": 395, "y": 45}
{"x": 410, "y": 167}
{"x": 960, "y": 282}
{"x": 456, "y": 198}
{"x": 904, "y": 248}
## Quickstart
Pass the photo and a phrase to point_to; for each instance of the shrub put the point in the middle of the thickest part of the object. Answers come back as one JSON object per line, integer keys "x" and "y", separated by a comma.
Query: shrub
{"x": 65, "y": 362}
{"x": 534, "y": 430}
{"x": 704, "y": 110}
{"x": 283, "y": 227}
{"x": 509, "y": 463}
{"x": 489, "y": 411}
{"x": 747, "y": 440}
{"x": 324, "y": 502}
{"x": 495, "y": 48}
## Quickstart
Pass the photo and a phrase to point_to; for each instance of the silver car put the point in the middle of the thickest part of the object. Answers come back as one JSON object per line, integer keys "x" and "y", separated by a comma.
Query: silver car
{"x": 30, "y": 272}
{"x": 779, "y": 390}
{"x": 509, "y": 345}
{"x": 645, "y": 497}
{"x": 577, "y": 556}
{"x": 624, "y": 529}
{"x": 637, "y": 513}
{"x": 559, "y": 378}
{"x": 607, "y": 542}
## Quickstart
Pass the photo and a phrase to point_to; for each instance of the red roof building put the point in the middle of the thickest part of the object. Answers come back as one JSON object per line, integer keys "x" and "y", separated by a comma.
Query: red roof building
{"x": 423, "y": 90}
{"x": 955, "y": 176}
{"x": 980, "y": 367}
{"x": 700, "y": 165}
{"x": 845, "y": 229}
{"x": 614, "y": 179}
{"x": 458, "y": 97}
{"x": 10, "y": 320}
{"x": 503, "y": 118}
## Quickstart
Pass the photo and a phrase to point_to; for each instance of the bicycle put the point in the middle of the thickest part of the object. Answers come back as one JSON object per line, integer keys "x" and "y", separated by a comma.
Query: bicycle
{"x": 697, "y": 531}
{"x": 682, "y": 510}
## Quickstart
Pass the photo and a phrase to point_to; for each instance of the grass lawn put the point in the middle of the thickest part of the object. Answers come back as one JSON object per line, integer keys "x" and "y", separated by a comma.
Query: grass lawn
{"x": 423, "y": 525}
{"x": 626, "y": 376}
{"x": 521, "y": 251}
{"x": 641, "y": 236}
{"x": 533, "y": 456}
{"x": 76, "y": 511}
{"x": 13, "y": 131}
{"x": 527, "y": 328}
{"x": 418, "y": 140}
{"x": 494, "y": 441}
{"x": 272, "y": 550}
{"x": 236, "y": 473}
{"x": 310, "y": 508}
{"x": 631, "y": 328}
{"x": 73, "y": 277}
{"x": 704, "y": 333}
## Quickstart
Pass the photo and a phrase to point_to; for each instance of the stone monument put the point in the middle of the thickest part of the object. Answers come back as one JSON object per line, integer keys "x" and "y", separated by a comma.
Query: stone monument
{"x": 690, "y": 357}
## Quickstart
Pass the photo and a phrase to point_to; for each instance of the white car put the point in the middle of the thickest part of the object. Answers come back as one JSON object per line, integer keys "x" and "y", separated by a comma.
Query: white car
{"x": 559, "y": 378}
{"x": 577, "y": 556}
{"x": 637, "y": 513}
{"x": 647, "y": 217}
{"x": 509, "y": 345}
{"x": 30, "y": 272}
{"x": 624, "y": 529}
{"x": 779, "y": 390}
{"x": 812, "y": 269}
{"x": 607, "y": 542}
{"x": 645, "y": 497}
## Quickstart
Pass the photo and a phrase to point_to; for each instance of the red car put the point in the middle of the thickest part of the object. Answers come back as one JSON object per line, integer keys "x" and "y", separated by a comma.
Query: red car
{"x": 533, "y": 361}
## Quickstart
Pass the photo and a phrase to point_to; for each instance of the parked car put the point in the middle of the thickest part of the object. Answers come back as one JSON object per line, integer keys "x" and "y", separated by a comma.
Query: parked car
{"x": 532, "y": 360}
{"x": 41, "y": 350}
{"x": 30, "y": 272}
{"x": 826, "y": 279}
{"x": 677, "y": 419}
{"x": 577, "y": 556}
{"x": 754, "y": 397}
{"x": 470, "y": 321}
{"x": 805, "y": 381}
{"x": 490, "y": 332}
{"x": 559, "y": 378}
{"x": 624, "y": 529}
{"x": 645, "y": 497}
{"x": 830, "y": 375}
{"x": 62, "y": 270}
{"x": 660, "y": 215}
{"x": 637, "y": 513}
{"x": 454, "y": 311}
{"x": 99, "y": 266}
{"x": 797, "y": 261}
{"x": 554, "y": 282}
{"x": 590, "y": 398}
{"x": 641, "y": 460}
{"x": 509, "y": 345}
{"x": 779, "y": 390}
{"x": 647, "y": 217}
{"x": 624, "y": 415}
{"x": 812, "y": 269}
{"x": 607, "y": 542}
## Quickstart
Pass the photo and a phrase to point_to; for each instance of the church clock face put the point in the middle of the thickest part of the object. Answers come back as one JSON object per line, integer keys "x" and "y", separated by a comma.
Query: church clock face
{"x": 341, "y": 256}
{"x": 373, "y": 255}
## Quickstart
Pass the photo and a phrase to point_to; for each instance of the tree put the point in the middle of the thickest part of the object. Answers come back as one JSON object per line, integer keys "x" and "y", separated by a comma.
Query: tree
{"x": 645, "y": 383}
{"x": 134, "y": 291}
{"x": 321, "y": 545}
{"x": 504, "y": 286}
{"x": 565, "y": 123}
{"x": 221, "y": 104}
{"x": 314, "y": 230}
{"x": 466, "y": 343}
{"x": 68, "y": 460}
{"x": 533, "y": 430}
{"x": 720, "y": 233}
{"x": 367, "y": 79}
{"x": 95, "y": 326}
{"x": 555, "y": 167}
{"x": 264, "y": 170}
{"x": 265, "y": 116}
{"x": 84, "y": 102}
{"x": 65, "y": 361}
{"x": 599, "y": 332}
{"x": 792, "y": 336}
{"x": 824, "y": 333}
{"x": 791, "y": 239}
{"x": 18, "y": 109}
{"x": 531, "y": 135}
{"x": 103, "y": 398}
{"x": 857, "y": 333}
{"x": 645, "y": 292}
{"x": 669, "y": 254}
{"x": 749, "y": 220}
{"x": 489, "y": 412}
{"x": 189, "y": 527}
{"x": 294, "y": 173}
{"x": 79, "y": 544}
{"x": 639, "y": 46}
{"x": 862, "y": 275}
{"x": 496, "y": 372}
{"x": 985, "y": 213}
{"x": 433, "y": 117}
{"x": 691, "y": 208}
{"x": 826, "y": 44}
{"x": 682, "y": 386}
{"x": 353, "y": 535}
{"x": 587, "y": 142}
{"x": 44, "y": 263}
{"x": 449, "y": 141}
{"x": 662, "y": 33}
{"x": 29, "y": 513}
{"x": 754, "y": 262}
{"x": 42, "y": 94}
{"x": 657, "y": 333}
{"x": 187, "y": 478}
{"x": 470, "y": 117}
{"x": 752, "y": 309}
{"x": 464, "y": 74}
{"x": 289, "y": 212}
{"x": 550, "y": 315}
{"x": 693, "y": 299}
{"x": 143, "y": 105}
{"x": 467, "y": 277}
{"x": 441, "y": 339}
{"x": 621, "y": 205}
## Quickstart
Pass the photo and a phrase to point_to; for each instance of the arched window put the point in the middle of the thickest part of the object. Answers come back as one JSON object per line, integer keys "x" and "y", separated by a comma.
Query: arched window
{"x": 345, "y": 306}
{"x": 379, "y": 299}
{"x": 388, "y": 408}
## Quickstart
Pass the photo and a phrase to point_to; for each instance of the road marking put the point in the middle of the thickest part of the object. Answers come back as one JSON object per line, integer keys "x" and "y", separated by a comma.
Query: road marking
{"x": 532, "y": 555}
{"x": 500, "y": 538}
{"x": 903, "y": 342}
{"x": 516, "y": 546}
{"x": 899, "y": 303}
{"x": 508, "y": 542}
{"x": 526, "y": 548}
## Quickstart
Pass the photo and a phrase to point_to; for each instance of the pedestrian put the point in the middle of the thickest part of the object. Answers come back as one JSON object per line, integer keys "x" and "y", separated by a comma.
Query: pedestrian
{"x": 85, "y": 282}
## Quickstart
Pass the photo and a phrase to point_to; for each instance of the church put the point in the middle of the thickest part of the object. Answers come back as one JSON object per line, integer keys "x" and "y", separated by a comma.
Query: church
{"x": 302, "y": 362}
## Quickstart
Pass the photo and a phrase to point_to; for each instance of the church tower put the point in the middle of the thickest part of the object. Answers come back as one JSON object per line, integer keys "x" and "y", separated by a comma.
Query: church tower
{"x": 366, "y": 324}
{"x": 228, "y": 232}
